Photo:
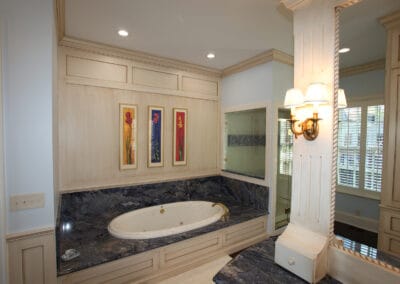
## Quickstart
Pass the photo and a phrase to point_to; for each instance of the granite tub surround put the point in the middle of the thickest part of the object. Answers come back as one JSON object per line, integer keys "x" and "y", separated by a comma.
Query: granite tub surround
{"x": 256, "y": 265}
{"x": 84, "y": 216}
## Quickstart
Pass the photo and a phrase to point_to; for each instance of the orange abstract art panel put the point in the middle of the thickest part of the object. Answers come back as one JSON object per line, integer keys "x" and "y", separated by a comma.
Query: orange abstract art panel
{"x": 179, "y": 143}
{"x": 128, "y": 139}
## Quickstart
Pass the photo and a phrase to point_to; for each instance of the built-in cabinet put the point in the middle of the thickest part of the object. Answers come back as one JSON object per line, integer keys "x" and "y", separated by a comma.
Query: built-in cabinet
{"x": 389, "y": 225}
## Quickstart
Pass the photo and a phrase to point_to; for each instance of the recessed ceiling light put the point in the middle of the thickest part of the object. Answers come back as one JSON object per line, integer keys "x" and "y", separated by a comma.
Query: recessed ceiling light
{"x": 210, "y": 55}
{"x": 123, "y": 33}
{"x": 344, "y": 50}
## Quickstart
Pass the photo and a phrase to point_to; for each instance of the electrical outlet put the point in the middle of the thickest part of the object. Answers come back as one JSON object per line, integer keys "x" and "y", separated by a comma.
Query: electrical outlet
{"x": 27, "y": 201}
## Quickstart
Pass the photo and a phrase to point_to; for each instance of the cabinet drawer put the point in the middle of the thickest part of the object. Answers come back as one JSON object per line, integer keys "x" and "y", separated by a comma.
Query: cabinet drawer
{"x": 189, "y": 250}
{"x": 245, "y": 231}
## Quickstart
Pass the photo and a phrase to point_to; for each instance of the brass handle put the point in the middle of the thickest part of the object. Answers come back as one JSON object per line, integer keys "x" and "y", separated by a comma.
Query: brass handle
{"x": 162, "y": 210}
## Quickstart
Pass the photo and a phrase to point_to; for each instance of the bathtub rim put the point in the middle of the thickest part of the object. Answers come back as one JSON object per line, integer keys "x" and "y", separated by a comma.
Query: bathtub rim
{"x": 164, "y": 232}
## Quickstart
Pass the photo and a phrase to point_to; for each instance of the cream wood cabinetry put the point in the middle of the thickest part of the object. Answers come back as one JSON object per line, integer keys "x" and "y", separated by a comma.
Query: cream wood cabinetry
{"x": 389, "y": 224}
{"x": 32, "y": 257}
{"x": 164, "y": 262}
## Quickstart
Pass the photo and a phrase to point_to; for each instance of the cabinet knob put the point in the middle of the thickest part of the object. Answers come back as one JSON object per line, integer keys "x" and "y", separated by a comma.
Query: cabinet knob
{"x": 291, "y": 261}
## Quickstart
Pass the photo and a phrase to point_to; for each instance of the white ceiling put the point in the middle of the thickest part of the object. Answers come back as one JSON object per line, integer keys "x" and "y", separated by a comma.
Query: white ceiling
{"x": 361, "y": 31}
{"x": 185, "y": 29}
{"x": 234, "y": 29}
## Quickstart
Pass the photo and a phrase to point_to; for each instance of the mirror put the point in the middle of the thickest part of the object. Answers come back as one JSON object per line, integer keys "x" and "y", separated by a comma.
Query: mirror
{"x": 283, "y": 169}
{"x": 361, "y": 125}
{"x": 244, "y": 145}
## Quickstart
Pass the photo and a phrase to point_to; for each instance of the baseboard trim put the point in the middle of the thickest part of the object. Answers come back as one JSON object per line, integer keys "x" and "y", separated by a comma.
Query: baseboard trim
{"x": 364, "y": 223}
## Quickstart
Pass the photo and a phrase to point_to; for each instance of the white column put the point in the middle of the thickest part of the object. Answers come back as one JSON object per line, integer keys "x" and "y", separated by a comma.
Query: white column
{"x": 302, "y": 248}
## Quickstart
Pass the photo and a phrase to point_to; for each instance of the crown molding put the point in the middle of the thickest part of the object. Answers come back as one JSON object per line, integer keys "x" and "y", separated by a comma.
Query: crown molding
{"x": 295, "y": 4}
{"x": 267, "y": 56}
{"x": 346, "y": 3}
{"x": 390, "y": 20}
{"x": 358, "y": 69}
{"x": 138, "y": 56}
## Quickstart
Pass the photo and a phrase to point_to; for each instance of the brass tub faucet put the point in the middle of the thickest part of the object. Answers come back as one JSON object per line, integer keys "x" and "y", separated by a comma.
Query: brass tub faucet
{"x": 225, "y": 216}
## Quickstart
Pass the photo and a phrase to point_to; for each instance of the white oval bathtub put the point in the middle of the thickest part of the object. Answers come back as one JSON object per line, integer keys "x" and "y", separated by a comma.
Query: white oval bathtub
{"x": 165, "y": 220}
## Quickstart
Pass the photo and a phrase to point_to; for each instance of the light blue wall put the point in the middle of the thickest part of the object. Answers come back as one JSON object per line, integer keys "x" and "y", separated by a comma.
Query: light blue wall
{"x": 358, "y": 206}
{"x": 28, "y": 90}
{"x": 364, "y": 85}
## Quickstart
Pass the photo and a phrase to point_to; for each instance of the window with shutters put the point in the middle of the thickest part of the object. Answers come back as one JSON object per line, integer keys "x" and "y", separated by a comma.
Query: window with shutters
{"x": 360, "y": 149}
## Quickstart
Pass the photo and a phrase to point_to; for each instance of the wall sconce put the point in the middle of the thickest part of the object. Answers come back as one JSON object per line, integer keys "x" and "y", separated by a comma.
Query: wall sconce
{"x": 317, "y": 93}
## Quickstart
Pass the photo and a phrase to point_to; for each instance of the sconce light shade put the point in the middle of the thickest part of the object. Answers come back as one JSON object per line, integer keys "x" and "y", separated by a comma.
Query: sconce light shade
{"x": 342, "y": 102}
{"x": 293, "y": 98}
{"x": 317, "y": 93}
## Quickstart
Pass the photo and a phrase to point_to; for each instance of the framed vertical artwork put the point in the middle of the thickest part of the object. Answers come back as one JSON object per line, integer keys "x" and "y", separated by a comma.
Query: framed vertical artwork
{"x": 179, "y": 142}
{"x": 156, "y": 136}
{"x": 128, "y": 136}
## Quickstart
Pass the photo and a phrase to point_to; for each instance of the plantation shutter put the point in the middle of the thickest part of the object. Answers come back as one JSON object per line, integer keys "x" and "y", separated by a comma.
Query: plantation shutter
{"x": 374, "y": 148}
{"x": 285, "y": 148}
{"x": 349, "y": 134}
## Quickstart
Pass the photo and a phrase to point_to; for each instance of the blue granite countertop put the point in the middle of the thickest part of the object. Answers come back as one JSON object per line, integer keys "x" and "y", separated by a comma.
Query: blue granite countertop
{"x": 256, "y": 265}
{"x": 84, "y": 216}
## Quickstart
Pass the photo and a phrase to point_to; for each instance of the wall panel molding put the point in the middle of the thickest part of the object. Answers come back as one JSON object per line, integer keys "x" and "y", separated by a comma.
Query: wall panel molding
{"x": 138, "y": 56}
{"x": 32, "y": 257}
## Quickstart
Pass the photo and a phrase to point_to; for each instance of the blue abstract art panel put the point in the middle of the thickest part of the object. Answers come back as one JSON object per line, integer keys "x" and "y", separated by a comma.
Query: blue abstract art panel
{"x": 156, "y": 136}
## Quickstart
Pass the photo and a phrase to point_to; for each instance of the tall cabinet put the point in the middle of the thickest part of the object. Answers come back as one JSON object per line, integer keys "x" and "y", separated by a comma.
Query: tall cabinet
{"x": 389, "y": 224}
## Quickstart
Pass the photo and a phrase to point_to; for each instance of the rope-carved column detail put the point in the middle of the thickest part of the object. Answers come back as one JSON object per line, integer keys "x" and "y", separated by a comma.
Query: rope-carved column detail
{"x": 335, "y": 127}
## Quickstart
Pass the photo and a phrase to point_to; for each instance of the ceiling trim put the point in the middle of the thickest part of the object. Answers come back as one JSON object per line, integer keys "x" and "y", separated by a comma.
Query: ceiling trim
{"x": 362, "y": 68}
{"x": 267, "y": 56}
{"x": 390, "y": 20}
{"x": 138, "y": 56}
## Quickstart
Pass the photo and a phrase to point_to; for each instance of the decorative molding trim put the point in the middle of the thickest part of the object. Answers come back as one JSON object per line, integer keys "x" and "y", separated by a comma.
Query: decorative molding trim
{"x": 364, "y": 223}
{"x": 390, "y": 20}
{"x": 366, "y": 67}
{"x": 148, "y": 179}
{"x": 29, "y": 234}
{"x": 346, "y": 3}
{"x": 60, "y": 18}
{"x": 265, "y": 57}
{"x": 138, "y": 56}
{"x": 338, "y": 245}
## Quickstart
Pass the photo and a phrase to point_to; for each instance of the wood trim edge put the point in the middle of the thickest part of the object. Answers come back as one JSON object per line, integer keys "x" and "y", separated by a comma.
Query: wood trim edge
{"x": 362, "y": 68}
{"x": 390, "y": 20}
{"x": 264, "y": 57}
{"x": 30, "y": 234}
{"x": 60, "y": 18}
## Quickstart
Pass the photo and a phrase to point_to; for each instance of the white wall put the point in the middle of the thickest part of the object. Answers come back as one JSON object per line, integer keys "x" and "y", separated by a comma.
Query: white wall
{"x": 248, "y": 87}
{"x": 28, "y": 108}
{"x": 263, "y": 84}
